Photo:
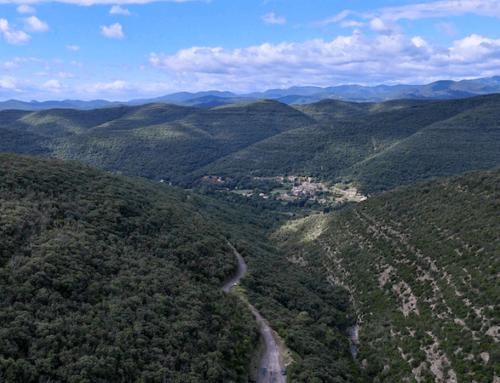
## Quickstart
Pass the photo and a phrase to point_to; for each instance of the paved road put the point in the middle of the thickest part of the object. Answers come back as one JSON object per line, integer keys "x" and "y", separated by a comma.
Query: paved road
{"x": 270, "y": 369}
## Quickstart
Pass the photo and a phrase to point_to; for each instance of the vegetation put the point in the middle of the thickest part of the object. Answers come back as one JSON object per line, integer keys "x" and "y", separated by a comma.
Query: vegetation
{"x": 106, "y": 278}
{"x": 379, "y": 146}
{"x": 422, "y": 265}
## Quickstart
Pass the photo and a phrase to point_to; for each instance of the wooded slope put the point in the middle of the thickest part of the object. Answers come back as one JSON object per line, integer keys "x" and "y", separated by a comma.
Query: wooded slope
{"x": 423, "y": 266}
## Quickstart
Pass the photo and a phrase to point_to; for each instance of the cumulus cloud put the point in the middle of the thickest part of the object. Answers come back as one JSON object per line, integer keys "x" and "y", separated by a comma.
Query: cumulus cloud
{"x": 117, "y": 10}
{"x": 76, "y": 63}
{"x": 270, "y": 18}
{"x": 384, "y": 27}
{"x": 12, "y": 36}
{"x": 8, "y": 82}
{"x": 24, "y": 8}
{"x": 54, "y": 86}
{"x": 114, "y": 31}
{"x": 33, "y": 24}
{"x": 73, "y": 48}
{"x": 386, "y": 58}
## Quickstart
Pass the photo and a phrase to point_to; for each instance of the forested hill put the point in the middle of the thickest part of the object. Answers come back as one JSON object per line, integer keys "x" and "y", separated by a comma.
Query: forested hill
{"x": 109, "y": 279}
{"x": 377, "y": 146}
{"x": 423, "y": 266}
{"x": 104, "y": 278}
{"x": 387, "y": 145}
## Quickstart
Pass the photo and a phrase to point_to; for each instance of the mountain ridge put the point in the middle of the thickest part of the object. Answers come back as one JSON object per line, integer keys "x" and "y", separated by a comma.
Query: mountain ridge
{"x": 443, "y": 89}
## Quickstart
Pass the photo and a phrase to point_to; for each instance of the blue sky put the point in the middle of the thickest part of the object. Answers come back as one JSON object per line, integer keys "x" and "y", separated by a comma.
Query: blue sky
{"x": 126, "y": 49}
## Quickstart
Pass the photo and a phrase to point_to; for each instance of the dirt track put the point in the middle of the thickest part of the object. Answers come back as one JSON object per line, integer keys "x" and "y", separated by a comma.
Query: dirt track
{"x": 270, "y": 369}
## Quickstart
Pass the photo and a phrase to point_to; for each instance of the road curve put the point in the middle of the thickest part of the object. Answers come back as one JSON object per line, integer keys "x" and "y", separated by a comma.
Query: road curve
{"x": 270, "y": 369}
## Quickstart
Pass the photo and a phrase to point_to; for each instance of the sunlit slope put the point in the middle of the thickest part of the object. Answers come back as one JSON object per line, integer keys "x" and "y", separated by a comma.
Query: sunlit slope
{"x": 137, "y": 117}
{"x": 423, "y": 266}
{"x": 331, "y": 110}
{"x": 338, "y": 149}
{"x": 59, "y": 122}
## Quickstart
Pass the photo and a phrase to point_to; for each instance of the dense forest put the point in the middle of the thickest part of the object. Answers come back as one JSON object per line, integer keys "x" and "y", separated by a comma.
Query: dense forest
{"x": 111, "y": 274}
{"x": 378, "y": 146}
{"x": 422, "y": 265}
{"x": 105, "y": 278}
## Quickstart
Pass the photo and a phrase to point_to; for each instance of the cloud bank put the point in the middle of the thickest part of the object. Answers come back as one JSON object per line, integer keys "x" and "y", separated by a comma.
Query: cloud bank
{"x": 387, "y": 58}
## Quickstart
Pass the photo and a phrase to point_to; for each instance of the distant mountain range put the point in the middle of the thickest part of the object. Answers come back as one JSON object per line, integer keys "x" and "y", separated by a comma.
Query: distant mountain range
{"x": 440, "y": 90}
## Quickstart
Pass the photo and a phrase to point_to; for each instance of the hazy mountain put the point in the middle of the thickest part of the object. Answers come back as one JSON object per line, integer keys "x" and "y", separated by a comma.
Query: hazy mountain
{"x": 293, "y": 95}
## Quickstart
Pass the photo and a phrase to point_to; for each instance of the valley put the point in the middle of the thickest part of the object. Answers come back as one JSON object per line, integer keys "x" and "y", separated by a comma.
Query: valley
{"x": 334, "y": 226}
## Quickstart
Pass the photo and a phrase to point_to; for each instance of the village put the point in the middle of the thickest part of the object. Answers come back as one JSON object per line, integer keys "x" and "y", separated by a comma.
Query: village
{"x": 295, "y": 188}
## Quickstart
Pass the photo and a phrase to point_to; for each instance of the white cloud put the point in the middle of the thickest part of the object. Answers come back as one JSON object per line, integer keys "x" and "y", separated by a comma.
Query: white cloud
{"x": 333, "y": 19}
{"x": 8, "y": 82}
{"x": 24, "y": 8}
{"x": 8, "y": 65}
{"x": 419, "y": 41}
{"x": 116, "y": 9}
{"x": 76, "y": 63}
{"x": 384, "y": 27}
{"x": 23, "y": 59}
{"x": 73, "y": 48}
{"x": 12, "y": 36}
{"x": 448, "y": 29}
{"x": 121, "y": 87}
{"x": 386, "y": 58}
{"x": 54, "y": 86}
{"x": 352, "y": 24}
{"x": 270, "y": 18}
{"x": 94, "y": 2}
{"x": 429, "y": 9}
{"x": 65, "y": 75}
{"x": 443, "y": 8}
{"x": 114, "y": 31}
{"x": 33, "y": 24}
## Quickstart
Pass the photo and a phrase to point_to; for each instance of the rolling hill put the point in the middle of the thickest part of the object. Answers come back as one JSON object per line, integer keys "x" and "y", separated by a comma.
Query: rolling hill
{"x": 379, "y": 146}
{"x": 423, "y": 270}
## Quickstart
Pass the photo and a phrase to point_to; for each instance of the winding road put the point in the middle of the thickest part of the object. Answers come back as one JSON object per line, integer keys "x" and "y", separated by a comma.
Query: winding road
{"x": 270, "y": 369}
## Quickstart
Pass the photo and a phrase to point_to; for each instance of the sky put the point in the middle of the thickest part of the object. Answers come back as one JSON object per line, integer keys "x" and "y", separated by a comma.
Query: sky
{"x": 129, "y": 49}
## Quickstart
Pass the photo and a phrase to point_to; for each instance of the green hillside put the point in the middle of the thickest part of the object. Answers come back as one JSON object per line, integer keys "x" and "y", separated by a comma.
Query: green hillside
{"x": 469, "y": 141}
{"x": 331, "y": 110}
{"x": 422, "y": 264}
{"x": 378, "y": 146}
{"x": 342, "y": 149}
{"x": 107, "y": 278}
